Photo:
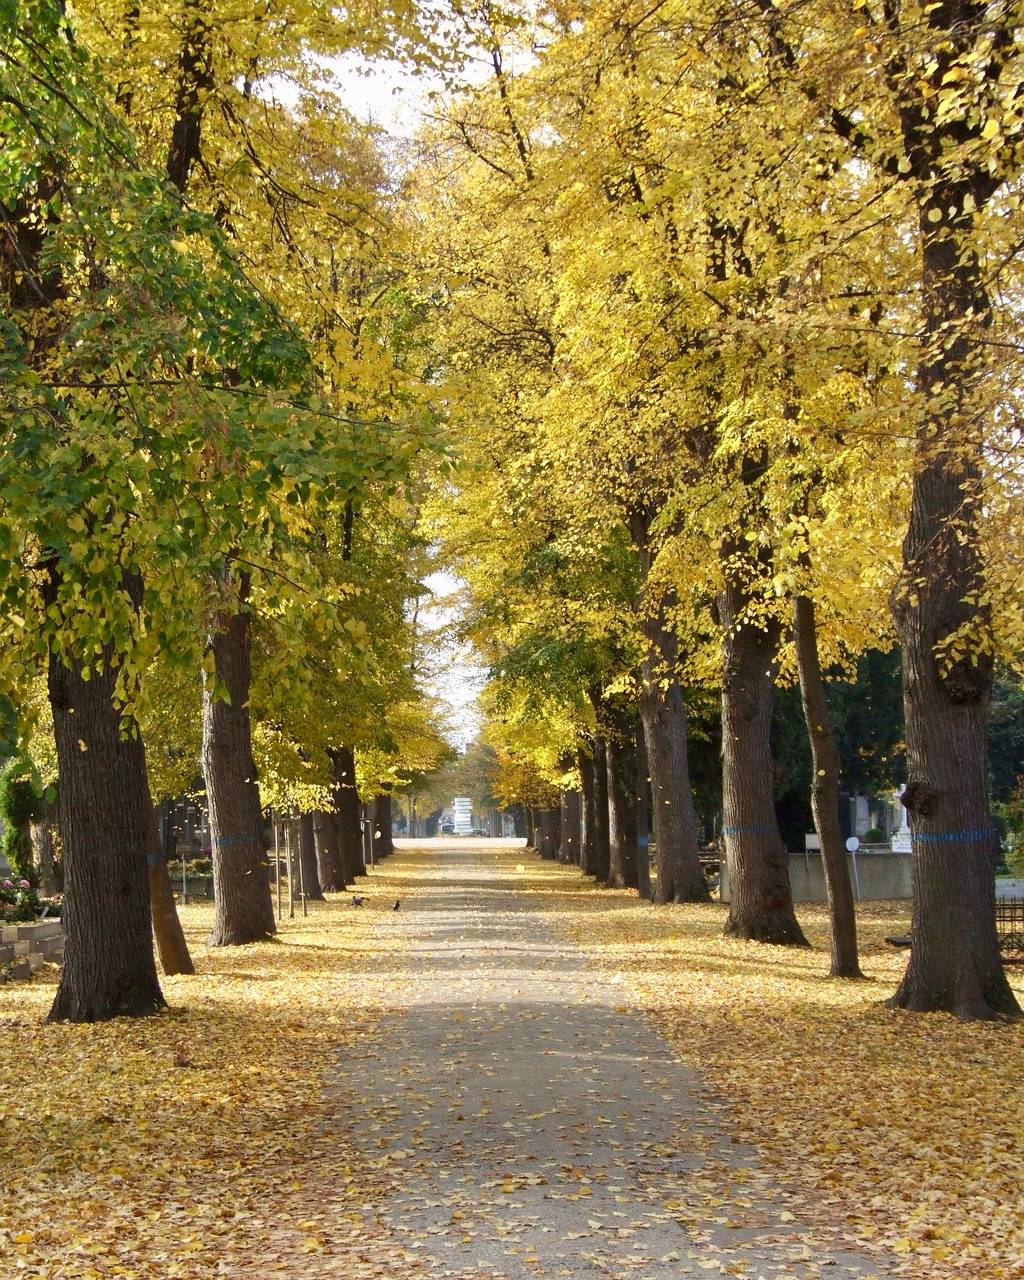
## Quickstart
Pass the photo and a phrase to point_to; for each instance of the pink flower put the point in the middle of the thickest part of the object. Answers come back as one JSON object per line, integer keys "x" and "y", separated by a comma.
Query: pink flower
{"x": 24, "y": 884}
{"x": 8, "y": 885}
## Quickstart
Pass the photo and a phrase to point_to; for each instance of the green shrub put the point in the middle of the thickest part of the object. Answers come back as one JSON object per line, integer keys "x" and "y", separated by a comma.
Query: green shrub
{"x": 1012, "y": 814}
{"x": 195, "y": 868}
{"x": 19, "y": 805}
{"x": 874, "y": 835}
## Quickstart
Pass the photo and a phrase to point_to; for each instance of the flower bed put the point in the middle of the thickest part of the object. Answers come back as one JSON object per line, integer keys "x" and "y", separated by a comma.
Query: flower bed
{"x": 21, "y": 903}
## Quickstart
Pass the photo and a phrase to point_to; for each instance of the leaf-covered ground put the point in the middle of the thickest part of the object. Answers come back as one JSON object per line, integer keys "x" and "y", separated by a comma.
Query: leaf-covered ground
{"x": 196, "y": 1142}
{"x": 202, "y": 1142}
{"x": 904, "y": 1128}
{"x": 534, "y": 1124}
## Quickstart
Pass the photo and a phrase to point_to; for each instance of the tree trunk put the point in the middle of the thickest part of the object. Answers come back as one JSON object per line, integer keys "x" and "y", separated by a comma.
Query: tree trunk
{"x": 570, "y": 803}
{"x": 531, "y": 828}
{"x": 954, "y": 960}
{"x": 588, "y": 816}
{"x": 347, "y": 807}
{"x": 643, "y": 822}
{"x": 622, "y": 873}
{"x": 941, "y": 600}
{"x": 307, "y": 855}
{"x": 171, "y": 946}
{"x": 602, "y": 831}
{"x": 194, "y": 84}
{"x": 761, "y": 906}
{"x": 663, "y": 712}
{"x": 51, "y": 870}
{"x": 244, "y": 909}
{"x": 825, "y": 793}
{"x": 335, "y": 837}
{"x": 550, "y": 833}
{"x": 325, "y": 836}
{"x": 383, "y": 843}
{"x": 108, "y": 970}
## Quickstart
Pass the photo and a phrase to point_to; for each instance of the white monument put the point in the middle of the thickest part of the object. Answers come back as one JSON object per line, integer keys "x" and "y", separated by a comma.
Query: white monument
{"x": 900, "y": 841}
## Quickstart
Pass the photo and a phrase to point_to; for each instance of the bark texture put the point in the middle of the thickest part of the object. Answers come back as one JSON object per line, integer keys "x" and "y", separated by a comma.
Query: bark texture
{"x": 570, "y": 827}
{"x": 307, "y": 856}
{"x": 826, "y": 769}
{"x": 761, "y": 906}
{"x": 550, "y": 833}
{"x": 663, "y": 715}
{"x": 325, "y": 835}
{"x": 642, "y": 801}
{"x": 588, "y": 814}
{"x": 244, "y": 910}
{"x": 109, "y": 969}
{"x": 383, "y": 842}
{"x": 194, "y": 84}
{"x": 622, "y": 832}
{"x": 349, "y": 816}
{"x": 663, "y": 712}
{"x": 602, "y": 827}
{"x": 171, "y": 946}
{"x": 954, "y": 961}
{"x": 51, "y": 869}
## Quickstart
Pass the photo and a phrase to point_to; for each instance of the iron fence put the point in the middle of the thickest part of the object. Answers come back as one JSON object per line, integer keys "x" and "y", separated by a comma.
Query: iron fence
{"x": 1010, "y": 928}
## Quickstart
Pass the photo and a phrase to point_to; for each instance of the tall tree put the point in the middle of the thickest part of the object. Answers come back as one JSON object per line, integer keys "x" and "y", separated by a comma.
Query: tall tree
{"x": 921, "y": 99}
{"x": 109, "y": 408}
{"x": 298, "y": 191}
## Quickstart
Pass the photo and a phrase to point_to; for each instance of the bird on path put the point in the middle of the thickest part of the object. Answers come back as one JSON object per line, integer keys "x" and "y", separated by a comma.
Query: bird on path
{"x": 398, "y": 903}
{"x": 358, "y": 902}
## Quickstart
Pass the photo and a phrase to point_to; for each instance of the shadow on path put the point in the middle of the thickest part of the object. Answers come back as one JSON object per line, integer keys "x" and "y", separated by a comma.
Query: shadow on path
{"x": 530, "y": 1124}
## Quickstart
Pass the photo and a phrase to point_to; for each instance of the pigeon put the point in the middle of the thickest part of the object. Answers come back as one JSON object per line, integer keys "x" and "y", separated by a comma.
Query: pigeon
{"x": 358, "y": 902}
{"x": 398, "y": 903}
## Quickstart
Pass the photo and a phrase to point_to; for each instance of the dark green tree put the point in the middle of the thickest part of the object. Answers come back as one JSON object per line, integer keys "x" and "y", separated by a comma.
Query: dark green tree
{"x": 20, "y": 806}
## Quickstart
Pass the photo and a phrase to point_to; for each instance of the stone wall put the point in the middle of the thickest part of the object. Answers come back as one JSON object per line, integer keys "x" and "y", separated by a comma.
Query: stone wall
{"x": 880, "y": 874}
{"x": 27, "y": 947}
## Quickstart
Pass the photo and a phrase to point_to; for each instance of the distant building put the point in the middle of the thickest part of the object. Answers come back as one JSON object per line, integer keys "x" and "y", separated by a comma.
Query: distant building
{"x": 462, "y": 808}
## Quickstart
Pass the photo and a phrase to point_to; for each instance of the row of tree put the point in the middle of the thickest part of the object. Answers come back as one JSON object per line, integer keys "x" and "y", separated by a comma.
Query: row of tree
{"x": 727, "y": 311}
{"x": 716, "y": 305}
{"x": 216, "y": 424}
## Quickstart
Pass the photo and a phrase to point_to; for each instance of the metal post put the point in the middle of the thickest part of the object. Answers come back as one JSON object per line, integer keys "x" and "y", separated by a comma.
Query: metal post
{"x": 367, "y": 837}
{"x": 852, "y": 845}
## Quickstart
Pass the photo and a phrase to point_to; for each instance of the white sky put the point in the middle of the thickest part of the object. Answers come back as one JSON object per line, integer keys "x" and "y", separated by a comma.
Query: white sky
{"x": 386, "y": 94}
{"x": 389, "y": 96}
{"x": 456, "y": 679}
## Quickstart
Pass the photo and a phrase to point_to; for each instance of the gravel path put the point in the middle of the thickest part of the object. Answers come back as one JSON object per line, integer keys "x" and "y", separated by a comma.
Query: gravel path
{"x": 530, "y": 1124}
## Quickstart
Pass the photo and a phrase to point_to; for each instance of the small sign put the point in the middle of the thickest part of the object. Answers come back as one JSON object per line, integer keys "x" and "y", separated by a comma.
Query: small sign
{"x": 853, "y": 844}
